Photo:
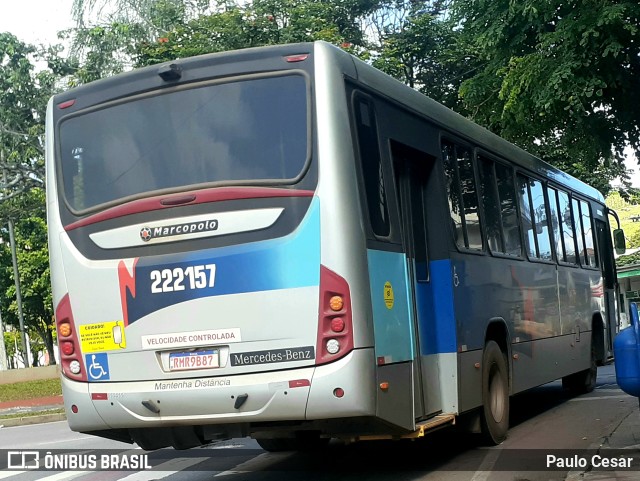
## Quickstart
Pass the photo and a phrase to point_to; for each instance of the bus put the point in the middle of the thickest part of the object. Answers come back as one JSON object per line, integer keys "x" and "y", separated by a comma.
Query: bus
{"x": 285, "y": 243}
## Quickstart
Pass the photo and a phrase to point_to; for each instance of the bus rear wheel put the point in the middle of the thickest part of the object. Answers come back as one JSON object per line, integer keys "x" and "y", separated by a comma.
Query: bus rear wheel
{"x": 495, "y": 395}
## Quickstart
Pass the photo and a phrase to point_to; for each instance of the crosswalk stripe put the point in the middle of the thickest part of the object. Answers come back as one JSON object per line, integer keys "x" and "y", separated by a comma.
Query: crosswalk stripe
{"x": 258, "y": 463}
{"x": 163, "y": 470}
{"x": 65, "y": 475}
{"x": 8, "y": 474}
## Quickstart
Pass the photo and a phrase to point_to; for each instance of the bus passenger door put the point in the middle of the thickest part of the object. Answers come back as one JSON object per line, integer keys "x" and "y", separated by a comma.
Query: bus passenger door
{"x": 605, "y": 256}
{"x": 412, "y": 168}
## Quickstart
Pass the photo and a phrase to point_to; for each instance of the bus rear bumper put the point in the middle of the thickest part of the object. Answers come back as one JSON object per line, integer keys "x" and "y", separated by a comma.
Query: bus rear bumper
{"x": 295, "y": 395}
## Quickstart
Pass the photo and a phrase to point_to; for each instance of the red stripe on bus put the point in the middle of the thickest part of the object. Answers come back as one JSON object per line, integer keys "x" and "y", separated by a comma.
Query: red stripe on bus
{"x": 199, "y": 197}
{"x": 127, "y": 283}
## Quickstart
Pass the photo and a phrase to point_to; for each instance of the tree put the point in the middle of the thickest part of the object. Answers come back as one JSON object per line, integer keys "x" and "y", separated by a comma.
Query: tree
{"x": 417, "y": 43}
{"x": 559, "y": 78}
{"x": 23, "y": 99}
{"x": 35, "y": 278}
{"x": 258, "y": 23}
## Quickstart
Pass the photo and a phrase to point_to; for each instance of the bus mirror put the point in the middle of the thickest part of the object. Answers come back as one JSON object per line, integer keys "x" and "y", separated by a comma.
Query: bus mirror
{"x": 619, "y": 242}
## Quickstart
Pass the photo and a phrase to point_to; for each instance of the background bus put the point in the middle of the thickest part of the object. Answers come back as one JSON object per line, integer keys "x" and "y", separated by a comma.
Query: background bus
{"x": 286, "y": 243}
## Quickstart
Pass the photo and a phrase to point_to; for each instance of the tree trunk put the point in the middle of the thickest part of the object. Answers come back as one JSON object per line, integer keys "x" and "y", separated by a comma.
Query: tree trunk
{"x": 48, "y": 342}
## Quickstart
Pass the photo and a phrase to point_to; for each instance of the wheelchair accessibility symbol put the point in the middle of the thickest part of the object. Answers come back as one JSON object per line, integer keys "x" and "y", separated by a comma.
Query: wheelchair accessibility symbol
{"x": 97, "y": 367}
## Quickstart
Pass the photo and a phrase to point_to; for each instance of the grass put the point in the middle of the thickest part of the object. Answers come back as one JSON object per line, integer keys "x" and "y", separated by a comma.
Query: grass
{"x": 21, "y": 391}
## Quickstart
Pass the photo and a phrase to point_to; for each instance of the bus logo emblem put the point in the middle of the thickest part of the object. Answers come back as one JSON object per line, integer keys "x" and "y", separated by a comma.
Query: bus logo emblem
{"x": 145, "y": 234}
{"x": 148, "y": 233}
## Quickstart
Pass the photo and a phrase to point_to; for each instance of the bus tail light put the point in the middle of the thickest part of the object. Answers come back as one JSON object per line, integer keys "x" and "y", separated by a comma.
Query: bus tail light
{"x": 335, "y": 326}
{"x": 70, "y": 359}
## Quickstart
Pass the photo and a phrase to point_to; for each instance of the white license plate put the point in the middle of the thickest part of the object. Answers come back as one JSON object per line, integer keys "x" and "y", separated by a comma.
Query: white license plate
{"x": 181, "y": 361}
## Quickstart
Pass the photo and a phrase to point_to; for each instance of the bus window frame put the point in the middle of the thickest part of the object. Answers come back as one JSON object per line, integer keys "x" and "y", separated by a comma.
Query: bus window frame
{"x": 543, "y": 183}
{"x": 569, "y": 193}
{"x": 446, "y": 136}
{"x": 192, "y": 187}
{"x": 509, "y": 165}
{"x": 394, "y": 238}
{"x": 581, "y": 200}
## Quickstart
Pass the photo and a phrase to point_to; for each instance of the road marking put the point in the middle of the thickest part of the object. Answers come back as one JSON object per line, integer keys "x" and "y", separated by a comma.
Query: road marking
{"x": 65, "y": 475}
{"x": 259, "y": 463}
{"x": 163, "y": 470}
{"x": 489, "y": 461}
{"x": 8, "y": 474}
{"x": 600, "y": 398}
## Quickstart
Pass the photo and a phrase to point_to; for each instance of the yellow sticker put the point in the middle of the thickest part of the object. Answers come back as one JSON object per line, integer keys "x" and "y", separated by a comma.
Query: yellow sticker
{"x": 388, "y": 295}
{"x": 104, "y": 336}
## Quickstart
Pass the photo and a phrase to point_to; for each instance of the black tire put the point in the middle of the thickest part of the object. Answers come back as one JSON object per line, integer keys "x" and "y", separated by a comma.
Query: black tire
{"x": 495, "y": 395}
{"x": 584, "y": 381}
{"x": 307, "y": 442}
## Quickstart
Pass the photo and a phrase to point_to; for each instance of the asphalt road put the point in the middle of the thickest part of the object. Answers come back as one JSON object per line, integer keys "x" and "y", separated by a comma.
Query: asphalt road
{"x": 543, "y": 420}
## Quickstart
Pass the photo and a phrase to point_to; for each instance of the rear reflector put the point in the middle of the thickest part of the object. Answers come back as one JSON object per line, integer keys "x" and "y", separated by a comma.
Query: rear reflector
{"x": 299, "y": 383}
{"x": 99, "y": 396}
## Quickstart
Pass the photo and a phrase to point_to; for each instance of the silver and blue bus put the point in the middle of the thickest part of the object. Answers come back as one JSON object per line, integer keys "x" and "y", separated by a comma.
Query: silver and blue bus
{"x": 288, "y": 244}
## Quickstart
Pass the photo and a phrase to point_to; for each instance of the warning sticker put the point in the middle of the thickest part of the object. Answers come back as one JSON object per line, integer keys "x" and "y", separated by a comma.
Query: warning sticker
{"x": 104, "y": 336}
{"x": 388, "y": 295}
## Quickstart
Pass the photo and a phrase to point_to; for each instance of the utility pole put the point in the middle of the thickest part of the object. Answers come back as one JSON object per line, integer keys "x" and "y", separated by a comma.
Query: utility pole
{"x": 16, "y": 273}
{"x": 4, "y": 365}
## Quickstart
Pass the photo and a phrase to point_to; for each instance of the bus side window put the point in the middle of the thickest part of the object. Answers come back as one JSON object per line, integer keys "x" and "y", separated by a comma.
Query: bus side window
{"x": 589, "y": 239}
{"x": 372, "y": 170}
{"x": 462, "y": 194}
{"x": 491, "y": 205}
{"x": 498, "y": 202}
{"x": 555, "y": 224}
{"x": 578, "y": 230}
{"x": 510, "y": 223}
{"x": 568, "y": 234}
{"x": 534, "y": 218}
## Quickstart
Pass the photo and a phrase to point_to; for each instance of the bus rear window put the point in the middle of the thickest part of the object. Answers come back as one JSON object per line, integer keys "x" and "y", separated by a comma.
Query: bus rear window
{"x": 251, "y": 131}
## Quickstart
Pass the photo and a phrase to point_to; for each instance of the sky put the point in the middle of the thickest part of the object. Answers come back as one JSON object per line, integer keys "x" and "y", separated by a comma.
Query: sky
{"x": 35, "y": 21}
{"x": 38, "y": 21}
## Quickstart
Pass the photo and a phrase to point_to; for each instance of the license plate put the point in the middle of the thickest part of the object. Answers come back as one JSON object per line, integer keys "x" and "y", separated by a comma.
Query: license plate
{"x": 181, "y": 361}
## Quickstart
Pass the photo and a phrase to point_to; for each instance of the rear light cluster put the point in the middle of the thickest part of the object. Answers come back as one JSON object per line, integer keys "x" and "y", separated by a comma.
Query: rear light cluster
{"x": 70, "y": 355}
{"x": 335, "y": 327}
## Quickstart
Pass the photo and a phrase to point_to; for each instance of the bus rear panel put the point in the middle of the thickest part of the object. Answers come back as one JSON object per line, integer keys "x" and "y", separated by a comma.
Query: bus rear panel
{"x": 187, "y": 269}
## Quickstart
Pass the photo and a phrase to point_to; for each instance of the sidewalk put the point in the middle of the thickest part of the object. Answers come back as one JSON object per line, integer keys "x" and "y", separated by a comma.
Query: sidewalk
{"x": 31, "y": 406}
{"x": 624, "y": 441}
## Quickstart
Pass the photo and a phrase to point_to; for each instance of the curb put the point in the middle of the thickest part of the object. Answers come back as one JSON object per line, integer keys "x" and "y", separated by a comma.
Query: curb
{"x": 26, "y": 420}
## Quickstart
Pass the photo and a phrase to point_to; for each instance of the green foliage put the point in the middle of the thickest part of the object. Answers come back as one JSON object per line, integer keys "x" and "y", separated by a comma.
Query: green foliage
{"x": 426, "y": 52}
{"x": 258, "y": 23}
{"x": 21, "y": 391}
{"x": 35, "y": 278}
{"x": 628, "y": 260}
{"x": 559, "y": 79}
{"x": 23, "y": 99}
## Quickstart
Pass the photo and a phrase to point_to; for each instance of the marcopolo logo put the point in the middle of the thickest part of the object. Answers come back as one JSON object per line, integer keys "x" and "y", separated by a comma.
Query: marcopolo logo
{"x": 148, "y": 233}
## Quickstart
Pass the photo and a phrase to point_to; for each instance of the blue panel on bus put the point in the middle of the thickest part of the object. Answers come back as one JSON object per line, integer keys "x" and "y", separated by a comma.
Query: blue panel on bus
{"x": 434, "y": 299}
{"x": 162, "y": 281}
{"x": 392, "y": 311}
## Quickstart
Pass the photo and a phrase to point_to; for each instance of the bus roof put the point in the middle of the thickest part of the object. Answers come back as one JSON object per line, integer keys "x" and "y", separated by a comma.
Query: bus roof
{"x": 463, "y": 127}
{"x": 261, "y": 59}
